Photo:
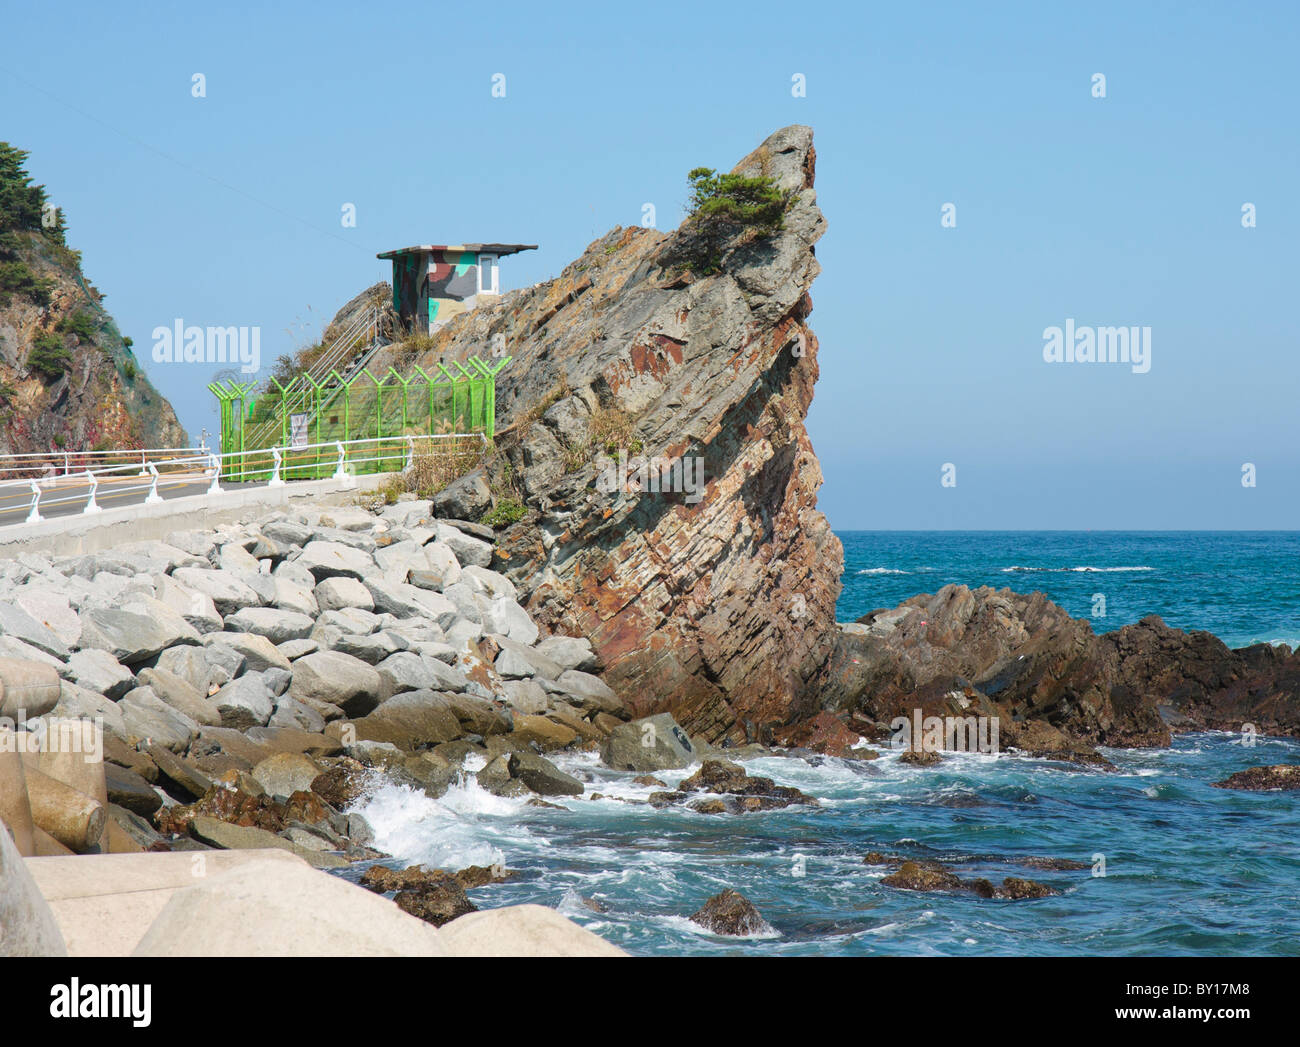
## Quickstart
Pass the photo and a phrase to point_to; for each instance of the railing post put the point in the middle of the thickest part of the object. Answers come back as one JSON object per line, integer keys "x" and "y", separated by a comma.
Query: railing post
{"x": 275, "y": 480}
{"x": 35, "y": 515}
{"x": 153, "y": 497}
{"x": 215, "y": 462}
{"x": 91, "y": 505}
{"x": 144, "y": 464}
{"x": 410, "y": 452}
{"x": 340, "y": 473}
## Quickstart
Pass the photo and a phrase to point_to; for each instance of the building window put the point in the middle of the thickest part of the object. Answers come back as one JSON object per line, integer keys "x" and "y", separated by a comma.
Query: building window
{"x": 487, "y": 274}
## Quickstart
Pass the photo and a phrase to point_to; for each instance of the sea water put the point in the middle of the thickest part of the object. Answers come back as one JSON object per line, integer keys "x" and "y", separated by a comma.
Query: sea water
{"x": 1172, "y": 865}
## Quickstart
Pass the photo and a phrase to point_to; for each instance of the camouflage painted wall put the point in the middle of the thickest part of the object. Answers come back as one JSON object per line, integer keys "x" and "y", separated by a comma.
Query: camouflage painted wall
{"x": 435, "y": 286}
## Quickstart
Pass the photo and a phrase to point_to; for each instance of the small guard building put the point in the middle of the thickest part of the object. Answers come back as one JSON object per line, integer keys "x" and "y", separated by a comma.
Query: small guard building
{"x": 434, "y": 282}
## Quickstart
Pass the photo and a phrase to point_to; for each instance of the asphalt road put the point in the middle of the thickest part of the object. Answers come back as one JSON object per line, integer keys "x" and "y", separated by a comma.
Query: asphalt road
{"x": 68, "y": 497}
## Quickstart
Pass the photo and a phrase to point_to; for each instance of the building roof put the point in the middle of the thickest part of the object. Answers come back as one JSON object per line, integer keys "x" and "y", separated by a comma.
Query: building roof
{"x": 497, "y": 249}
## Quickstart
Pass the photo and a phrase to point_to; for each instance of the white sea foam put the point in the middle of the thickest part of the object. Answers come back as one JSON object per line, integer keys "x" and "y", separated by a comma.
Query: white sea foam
{"x": 453, "y": 831}
{"x": 1018, "y": 569}
{"x": 881, "y": 570}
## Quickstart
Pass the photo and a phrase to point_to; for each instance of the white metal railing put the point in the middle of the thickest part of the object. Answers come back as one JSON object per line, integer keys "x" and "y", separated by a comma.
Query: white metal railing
{"x": 177, "y": 467}
{"x": 48, "y": 465}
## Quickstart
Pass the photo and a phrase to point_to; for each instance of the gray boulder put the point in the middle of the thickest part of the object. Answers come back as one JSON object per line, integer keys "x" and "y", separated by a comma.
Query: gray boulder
{"x": 52, "y": 610}
{"x": 569, "y": 652}
{"x": 337, "y": 679}
{"x": 505, "y": 617}
{"x": 542, "y": 776}
{"x": 525, "y": 696}
{"x": 292, "y": 649}
{"x": 512, "y": 665}
{"x": 244, "y": 702}
{"x": 591, "y": 691}
{"x": 135, "y": 632}
{"x": 190, "y": 663}
{"x": 227, "y": 592}
{"x": 411, "y": 720}
{"x": 334, "y": 593}
{"x": 147, "y": 718}
{"x": 276, "y": 625}
{"x": 289, "y": 712}
{"x": 286, "y": 532}
{"x": 466, "y": 498}
{"x": 292, "y": 596}
{"x": 98, "y": 670}
{"x": 371, "y": 649}
{"x": 180, "y": 694}
{"x": 655, "y": 743}
{"x": 335, "y": 560}
{"x": 408, "y": 671}
{"x": 195, "y": 607}
{"x": 79, "y": 703}
{"x": 466, "y": 549}
{"x": 16, "y": 622}
{"x": 493, "y": 583}
{"x": 258, "y": 652}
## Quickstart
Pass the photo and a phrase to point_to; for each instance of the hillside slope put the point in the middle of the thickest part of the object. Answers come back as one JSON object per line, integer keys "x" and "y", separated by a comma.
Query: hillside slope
{"x": 68, "y": 379}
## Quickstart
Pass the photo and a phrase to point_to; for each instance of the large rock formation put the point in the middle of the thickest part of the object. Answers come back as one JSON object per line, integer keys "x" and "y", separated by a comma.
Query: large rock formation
{"x": 1055, "y": 687}
{"x": 67, "y": 376}
{"x": 987, "y": 652}
{"x": 716, "y": 603}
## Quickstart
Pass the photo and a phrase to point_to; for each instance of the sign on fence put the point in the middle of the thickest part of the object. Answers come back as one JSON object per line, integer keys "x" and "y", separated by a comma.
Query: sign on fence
{"x": 298, "y": 430}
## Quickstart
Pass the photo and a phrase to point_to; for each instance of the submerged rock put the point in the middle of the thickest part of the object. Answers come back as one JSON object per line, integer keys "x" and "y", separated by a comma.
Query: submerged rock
{"x": 741, "y": 792}
{"x": 931, "y": 876}
{"x": 1263, "y": 779}
{"x": 916, "y": 876}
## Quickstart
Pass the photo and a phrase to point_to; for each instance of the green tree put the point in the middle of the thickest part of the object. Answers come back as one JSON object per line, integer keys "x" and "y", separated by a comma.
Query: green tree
{"x": 724, "y": 207}
{"x": 21, "y": 202}
{"x": 21, "y": 206}
{"x": 48, "y": 357}
{"x": 80, "y": 323}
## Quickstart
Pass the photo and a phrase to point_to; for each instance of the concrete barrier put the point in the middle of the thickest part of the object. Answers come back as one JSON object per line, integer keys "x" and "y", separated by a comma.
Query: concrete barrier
{"x": 15, "y": 808}
{"x": 71, "y": 817}
{"x": 76, "y": 535}
{"x": 265, "y": 909}
{"x": 522, "y": 930}
{"x": 27, "y": 927}
{"x": 104, "y": 903}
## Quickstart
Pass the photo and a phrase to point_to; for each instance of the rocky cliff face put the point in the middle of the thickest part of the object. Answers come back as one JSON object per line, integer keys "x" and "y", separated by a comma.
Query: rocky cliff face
{"x": 68, "y": 379}
{"x": 714, "y": 600}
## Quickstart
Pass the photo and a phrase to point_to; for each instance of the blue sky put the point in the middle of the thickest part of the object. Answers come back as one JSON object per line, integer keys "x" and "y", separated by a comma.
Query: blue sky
{"x": 1123, "y": 210}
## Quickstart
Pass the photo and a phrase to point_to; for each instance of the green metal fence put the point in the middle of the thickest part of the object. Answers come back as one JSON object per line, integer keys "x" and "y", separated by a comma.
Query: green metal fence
{"x": 456, "y": 399}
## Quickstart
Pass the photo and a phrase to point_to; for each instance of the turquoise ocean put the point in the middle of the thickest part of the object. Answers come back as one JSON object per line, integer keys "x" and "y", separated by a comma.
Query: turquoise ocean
{"x": 1175, "y": 866}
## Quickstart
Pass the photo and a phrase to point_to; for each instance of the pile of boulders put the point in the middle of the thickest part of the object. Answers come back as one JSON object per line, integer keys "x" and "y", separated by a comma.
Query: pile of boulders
{"x": 254, "y": 680}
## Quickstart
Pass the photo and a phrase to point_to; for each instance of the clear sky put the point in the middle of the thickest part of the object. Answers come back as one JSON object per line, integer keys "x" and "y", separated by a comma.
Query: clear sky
{"x": 1122, "y": 210}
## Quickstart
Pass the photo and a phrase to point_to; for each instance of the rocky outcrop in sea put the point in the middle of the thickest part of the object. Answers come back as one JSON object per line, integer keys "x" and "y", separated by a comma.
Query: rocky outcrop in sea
{"x": 1054, "y": 687}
